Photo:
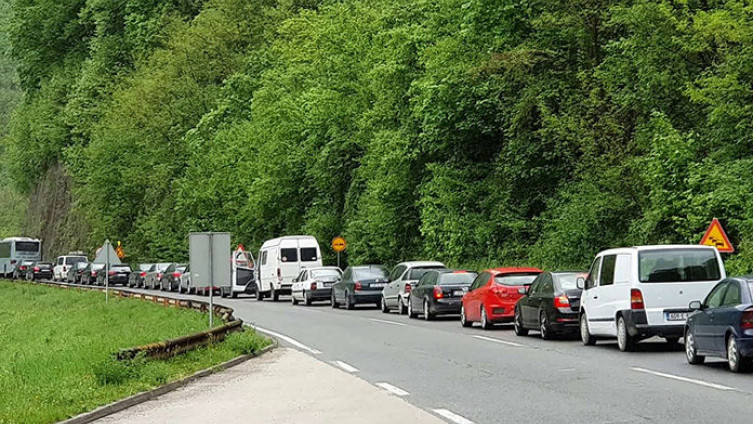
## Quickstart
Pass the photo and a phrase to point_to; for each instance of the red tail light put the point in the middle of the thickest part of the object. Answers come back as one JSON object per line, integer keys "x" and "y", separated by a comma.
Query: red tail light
{"x": 561, "y": 302}
{"x": 22, "y": 268}
{"x": 636, "y": 299}
{"x": 94, "y": 273}
{"x": 358, "y": 285}
{"x": 111, "y": 273}
{"x": 438, "y": 293}
{"x": 408, "y": 288}
{"x": 36, "y": 269}
{"x": 500, "y": 291}
{"x": 143, "y": 274}
{"x": 176, "y": 274}
{"x": 313, "y": 286}
{"x": 746, "y": 322}
{"x": 159, "y": 276}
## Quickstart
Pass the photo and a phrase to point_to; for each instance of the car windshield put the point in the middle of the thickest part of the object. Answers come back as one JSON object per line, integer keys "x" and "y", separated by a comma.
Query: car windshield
{"x": 678, "y": 265}
{"x": 417, "y": 273}
{"x": 325, "y": 273}
{"x": 76, "y": 259}
{"x": 515, "y": 279}
{"x": 457, "y": 278}
{"x": 371, "y": 273}
{"x": 568, "y": 280}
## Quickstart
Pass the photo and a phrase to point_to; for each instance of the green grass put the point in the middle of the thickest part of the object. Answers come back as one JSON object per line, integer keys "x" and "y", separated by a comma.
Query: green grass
{"x": 56, "y": 350}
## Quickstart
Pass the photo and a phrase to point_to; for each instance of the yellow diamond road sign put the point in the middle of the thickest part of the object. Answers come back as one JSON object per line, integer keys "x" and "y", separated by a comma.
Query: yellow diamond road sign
{"x": 339, "y": 244}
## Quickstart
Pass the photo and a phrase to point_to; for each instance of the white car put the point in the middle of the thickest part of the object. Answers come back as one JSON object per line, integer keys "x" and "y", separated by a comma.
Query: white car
{"x": 281, "y": 260}
{"x": 640, "y": 292}
{"x": 403, "y": 278}
{"x": 314, "y": 284}
{"x": 65, "y": 263}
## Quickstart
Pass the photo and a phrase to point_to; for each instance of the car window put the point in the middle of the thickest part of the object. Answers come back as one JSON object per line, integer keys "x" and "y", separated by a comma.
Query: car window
{"x": 416, "y": 273}
{"x": 515, "y": 279}
{"x": 425, "y": 280}
{"x": 456, "y": 278}
{"x": 370, "y": 273}
{"x": 480, "y": 280}
{"x": 289, "y": 254}
{"x": 264, "y": 257}
{"x": 678, "y": 265}
{"x": 397, "y": 272}
{"x": 732, "y": 296}
{"x": 714, "y": 299}
{"x": 568, "y": 280}
{"x": 325, "y": 273}
{"x": 60, "y": 261}
{"x": 536, "y": 284}
{"x": 593, "y": 274}
{"x": 607, "y": 270}
{"x": 309, "y": 254}
{"x": 547, "y": 284}
{"x": 347, "y": 274}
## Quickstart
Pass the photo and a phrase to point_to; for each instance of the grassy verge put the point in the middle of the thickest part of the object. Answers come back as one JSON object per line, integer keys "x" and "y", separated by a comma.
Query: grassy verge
{"x": 56, "y": 348}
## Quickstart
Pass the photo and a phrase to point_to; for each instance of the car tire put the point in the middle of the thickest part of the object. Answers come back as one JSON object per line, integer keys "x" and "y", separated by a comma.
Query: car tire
{"x": 546, "y": 333}
{"x": 401, "y": 306}
{"x": 518, "y": 324}
{"x": 259, "y": 294}
{"x": 585, "y": 335}
{"x": 385, "y": 309}
{"x": 463, "y": 319}
{"x": 625, "y": 342}
{"x": 275, "y": 295}
{"x": 411, "y": 314}
{"x": 234, "y": 295}
{"x": 690, "y": 349}
{"x": 737, "y": 363}
{"x": 349, "y": 304}
{"x": 485, "y": 324}
{"x": 428, "y": 316}
{"x": 293, "y": 300}
{"x": 306, "y": 300}
{"x": 333, "y": 301}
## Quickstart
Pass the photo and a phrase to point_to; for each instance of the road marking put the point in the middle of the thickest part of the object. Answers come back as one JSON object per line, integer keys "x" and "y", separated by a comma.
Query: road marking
{"x": 686, "y": 379}
{"x": 346, "y": 367}
{"x": 504, "y": 342}
{"x": 290, "y": 340}
{"x": 457, "y": 419}
{"x": 386, "y": 321}
{"x": 392, "y": 389}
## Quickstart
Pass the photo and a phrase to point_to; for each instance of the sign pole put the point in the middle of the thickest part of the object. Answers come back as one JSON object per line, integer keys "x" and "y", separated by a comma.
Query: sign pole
{"x": 107, "y": 271}
{"x": 338, "y": 259}
{"x": 211, "y": 279}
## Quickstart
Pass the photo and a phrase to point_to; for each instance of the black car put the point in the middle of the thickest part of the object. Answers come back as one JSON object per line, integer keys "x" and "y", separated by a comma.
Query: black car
{"x": 550, "y": 305}
{"x": 170, "y": 280}
{"x": 439, "y": 292}
{"x": 20, "y": 269}
{"x": 117, "y": 275}
{"x": 39, "y": 271}
{"x": 360, "y": 285}
{"x": 722, "y": 325}
{"x": 89, "y": 274}
{"x": 75, "y": 271}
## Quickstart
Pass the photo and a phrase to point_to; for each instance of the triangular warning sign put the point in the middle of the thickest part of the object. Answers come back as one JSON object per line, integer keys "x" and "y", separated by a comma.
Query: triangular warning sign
{"x": 715, "y": 236}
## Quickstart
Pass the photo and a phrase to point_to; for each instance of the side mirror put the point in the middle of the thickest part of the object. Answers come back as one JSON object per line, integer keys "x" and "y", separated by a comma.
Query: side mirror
{"x": 466, "y": 289}
{"x": 695, "y": 305}
{"x": 523, "y": 291}
{"x": 580, "y": 282}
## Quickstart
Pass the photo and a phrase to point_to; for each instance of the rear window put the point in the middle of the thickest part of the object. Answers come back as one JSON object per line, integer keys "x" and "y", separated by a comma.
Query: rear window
{"x": 515, "y": 279}
{"x": 162, "y": 267}
{"x": 289, "y": 254}
{"x": 145, "y": 267}
{"x": 417, "y": 273}
{"x": 308, "y": 254}
{"x": 82, "y": 265}
{"x": 568, "y": 281}
{"x": 325, "y": 273}
{"x": 120, "y": 268}
{"x": 97, "y": 267}
{"x": 460, "y": 278}
{"x": 75, "y": 259}
{"x": 44, "y": 264}
{"x": 678, "y": 265}
{"x": 27, "y": 246}
{"x": 370, "y": 273}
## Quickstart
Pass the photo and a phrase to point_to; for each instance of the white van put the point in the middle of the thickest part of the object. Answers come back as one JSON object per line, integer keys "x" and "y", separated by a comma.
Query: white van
{"x": 639, "y": 292}
{"x": 280, "y": 260}
{"x": 64, "y": 263}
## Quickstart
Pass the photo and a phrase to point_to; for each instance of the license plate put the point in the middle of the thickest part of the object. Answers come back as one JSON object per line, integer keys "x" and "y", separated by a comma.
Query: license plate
{"x": 377, "y": 285}
{"x": 458, "y": 293}
{"x": 676, "y": 316}
{"x": 327, "y": 284}
{"x": 121, "y": 275}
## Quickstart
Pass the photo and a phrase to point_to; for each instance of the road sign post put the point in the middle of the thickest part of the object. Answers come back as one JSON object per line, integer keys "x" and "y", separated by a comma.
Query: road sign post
{"x": 338, "y": 245}
{"x": 107, "y": 270}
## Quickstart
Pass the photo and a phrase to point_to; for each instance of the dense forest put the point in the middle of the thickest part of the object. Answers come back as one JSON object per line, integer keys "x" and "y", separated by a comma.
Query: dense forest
{"x": 473, "y": 131}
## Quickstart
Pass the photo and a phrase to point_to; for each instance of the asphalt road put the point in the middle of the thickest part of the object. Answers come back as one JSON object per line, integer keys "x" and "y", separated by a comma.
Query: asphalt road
{"x": 496, "y": 377}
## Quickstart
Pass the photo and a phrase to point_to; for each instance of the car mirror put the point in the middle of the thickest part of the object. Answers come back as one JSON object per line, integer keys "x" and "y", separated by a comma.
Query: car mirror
{"x": 522, "y": 290}
{"x": 580, "y": 282}
{"x": 695, "y": 305}
{"x": 466, "y": 289}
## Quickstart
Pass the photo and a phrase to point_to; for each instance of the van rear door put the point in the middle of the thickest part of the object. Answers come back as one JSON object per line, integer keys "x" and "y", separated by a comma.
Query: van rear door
{"x": 669, "y": 279}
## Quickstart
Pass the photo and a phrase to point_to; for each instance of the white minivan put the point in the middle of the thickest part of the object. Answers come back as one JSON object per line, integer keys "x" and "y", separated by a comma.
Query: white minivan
{"x": 64, "y": 263}
{"x": 280, "y": 260}
{"x": 639, "y": 292}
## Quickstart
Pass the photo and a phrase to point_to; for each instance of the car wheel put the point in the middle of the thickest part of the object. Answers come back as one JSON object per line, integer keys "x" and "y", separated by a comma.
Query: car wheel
{"x": 349, "y": 304}
{"x": 401, "y": 307}
{"x": 737, "y": 362}
{"x": 690, "y": 349}
{"x": 259, "y": 294}
{"x": 385, "y": 309}
{"x": 234, "y": 295}
{"x": 333, "y": 300}
{"x": 624, "y": 341}
{"x": 428, "y": 316}
{"x": 293, "y": 300}
{"x": 585, "y": 335}
{"x": 411, "y": 314}
{"x": 463, "y": 319}
{"x": 546, "y": 334}
{"x": 518, "y": 324}
{"x": 306, "y": 300}
{"x": 275, "y": 295}
{"x": 485, "y": 324}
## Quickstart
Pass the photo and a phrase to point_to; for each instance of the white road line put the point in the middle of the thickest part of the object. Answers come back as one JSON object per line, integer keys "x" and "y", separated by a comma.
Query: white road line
{"x": 386, "y": 322}
{"x": 292, "y": 341}
{"x": 346, "y": 367}
{"x": 504, "y": 342}
{"x": 686, "y": 379}
{"x": 457, "y": 419}
{"x": 392, "y": 389}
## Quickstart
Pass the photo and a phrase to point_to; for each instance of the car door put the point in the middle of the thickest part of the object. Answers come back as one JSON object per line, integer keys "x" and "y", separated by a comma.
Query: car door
{"x": 471, "y": 300}
{"x": 417, "y": 294}
{"x": 392, "y": 289}
{"x": 339, "y": 288}
{"x": 590, "y": 298}
{"x": 726, "y": 315}
{"x": 535, "y": 299}
{"x": 703, "y": 322}
{"x": 525, "y": 303}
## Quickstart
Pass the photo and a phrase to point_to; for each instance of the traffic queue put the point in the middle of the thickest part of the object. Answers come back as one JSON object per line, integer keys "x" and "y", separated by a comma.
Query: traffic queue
{"x": 628, "y": 294}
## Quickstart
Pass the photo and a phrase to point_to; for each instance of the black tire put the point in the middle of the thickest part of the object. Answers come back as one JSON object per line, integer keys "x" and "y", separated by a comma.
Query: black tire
{"x": 690, "y": 350}
{"x": 546, "y": 333}
{"x": 585, "y": 335}
{"x": 625, "y": 342}
{"x": 275, "y": 295}
{"x": 259, "y": 294}
{"x": 349, "y": 304}
{"x": 411, "y": 314}
{"x": 401, "y": 307}
{"x": 234, "y": 295}
{"x": 384, "y": 307}
{"x": 463, "y": 319}
{"x": 737, "y": 363}
{"x": 485, "y": 324}
{"x": 428, "y": 316}
{"x": 306, "y": 300}
{"x": 518, "y": 324}
{"x": 333, "y": 301}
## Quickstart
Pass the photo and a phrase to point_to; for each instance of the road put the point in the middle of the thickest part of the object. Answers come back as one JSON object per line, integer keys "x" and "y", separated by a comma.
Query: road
{"x": 494, "y": 376}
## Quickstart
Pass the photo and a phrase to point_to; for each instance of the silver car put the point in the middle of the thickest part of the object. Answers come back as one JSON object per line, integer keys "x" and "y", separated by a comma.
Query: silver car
{"x": 154, "y": 275}
{"x": 403, "y": 278}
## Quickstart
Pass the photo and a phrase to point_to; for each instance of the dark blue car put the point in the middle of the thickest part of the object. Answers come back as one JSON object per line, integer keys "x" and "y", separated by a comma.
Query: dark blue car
{"x": 722, "y": 325}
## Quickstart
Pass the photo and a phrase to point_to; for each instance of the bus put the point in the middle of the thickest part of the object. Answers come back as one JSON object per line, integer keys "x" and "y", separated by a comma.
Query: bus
{"x": 15, "y": 249}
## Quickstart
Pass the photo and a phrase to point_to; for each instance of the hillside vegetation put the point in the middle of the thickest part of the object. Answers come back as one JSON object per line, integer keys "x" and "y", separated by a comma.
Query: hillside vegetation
{"x": 472, "y": 131}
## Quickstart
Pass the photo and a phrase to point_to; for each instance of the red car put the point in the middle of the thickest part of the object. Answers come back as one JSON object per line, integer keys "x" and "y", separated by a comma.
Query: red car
{"x": 492, "y": 297}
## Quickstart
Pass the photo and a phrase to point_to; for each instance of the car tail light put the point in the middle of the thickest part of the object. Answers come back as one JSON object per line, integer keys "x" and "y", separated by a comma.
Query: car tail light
{"x": 176, "y": 274}
{"x": 438, "y": 293}
{"x": 22, "y": 268}
{"x": 746, "y": 321}
{"x": 500, "y": 291}
{"x": 111, "y": 273}
{"x": 408, "y": 287}
{"x": 94, "y": 273}
{"x": 143, "y": 274}
{"x": 636, "y": 299}
{"x": 359, "y": 286}
{"x": 159, "y": 276}
{"x": 36, "y": 269}
{"x": 313, "y": 286}
{"x": 561, "y": 302}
